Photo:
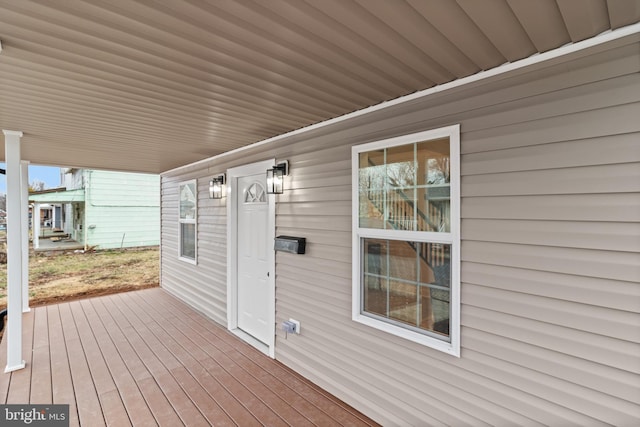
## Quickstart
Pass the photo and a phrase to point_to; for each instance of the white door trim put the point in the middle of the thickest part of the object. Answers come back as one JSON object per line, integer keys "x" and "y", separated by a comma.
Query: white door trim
{"x": 232, "y": 250}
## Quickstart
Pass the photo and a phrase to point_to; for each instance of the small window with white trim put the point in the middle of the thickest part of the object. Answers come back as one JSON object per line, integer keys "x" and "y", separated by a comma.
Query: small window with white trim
{"x": 188, "y": 220}
{"x": 406, "y": 244}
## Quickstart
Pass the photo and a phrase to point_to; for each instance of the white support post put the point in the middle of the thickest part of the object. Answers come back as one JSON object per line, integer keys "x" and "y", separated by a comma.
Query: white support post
{"x": 24, "y": 207}
{"x": 14, "y": 251}
{"x": 36, "y": 225}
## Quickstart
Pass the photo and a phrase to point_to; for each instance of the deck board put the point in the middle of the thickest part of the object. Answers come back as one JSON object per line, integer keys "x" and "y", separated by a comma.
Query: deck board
{"x": 324, "y": 404}
{"x": 105, "y": 376}
{"x": 41, "y": 391}
{"x": 138, "y": 402}
{"x": 194, "y": 358}
{"x": 99, "y": 371}
{"x": 323, "y": 409}
{"x": 86, "y": 397}
{"x": 61, "y": 382}
{"x": 185, "y": 409}
{"x": 145, "y": 359}
{"x": 208, "y": 407}
{"x": 113, "y": 409}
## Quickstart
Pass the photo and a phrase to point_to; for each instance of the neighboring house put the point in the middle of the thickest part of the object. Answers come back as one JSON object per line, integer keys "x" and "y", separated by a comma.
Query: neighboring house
{"x": 471, "y": 253}
{"x": 104, "y": 209}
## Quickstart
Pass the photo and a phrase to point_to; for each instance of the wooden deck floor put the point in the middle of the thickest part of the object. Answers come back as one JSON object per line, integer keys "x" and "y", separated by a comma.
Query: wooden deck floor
{"x": 144, "y": 358}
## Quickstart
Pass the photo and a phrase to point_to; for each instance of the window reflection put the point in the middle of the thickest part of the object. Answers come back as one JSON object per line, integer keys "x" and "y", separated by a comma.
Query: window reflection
{"x": 406, "y": 187}
{"x": 408, "y": 282}
{"x": 188, "y": 240}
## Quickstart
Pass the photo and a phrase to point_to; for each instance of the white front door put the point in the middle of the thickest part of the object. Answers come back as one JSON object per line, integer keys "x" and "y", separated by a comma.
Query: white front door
{"x": 253, "y": 257}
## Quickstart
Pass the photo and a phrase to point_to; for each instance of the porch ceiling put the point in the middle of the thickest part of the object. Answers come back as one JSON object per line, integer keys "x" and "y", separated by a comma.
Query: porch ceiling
{"x": 149, "y": 86}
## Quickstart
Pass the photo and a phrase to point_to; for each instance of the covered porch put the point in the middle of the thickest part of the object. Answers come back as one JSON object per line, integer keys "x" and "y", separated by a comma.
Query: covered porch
{"x": 145, "y": 358}
{"x": 52, "y": 238}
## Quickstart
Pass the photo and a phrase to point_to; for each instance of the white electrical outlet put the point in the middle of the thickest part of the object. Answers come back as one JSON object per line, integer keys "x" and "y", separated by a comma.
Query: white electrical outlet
{"x": 297, "y": 323}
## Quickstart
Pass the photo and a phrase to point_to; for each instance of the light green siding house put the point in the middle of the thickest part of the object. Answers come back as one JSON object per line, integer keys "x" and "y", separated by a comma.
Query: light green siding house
{"x": 117, "y": 209}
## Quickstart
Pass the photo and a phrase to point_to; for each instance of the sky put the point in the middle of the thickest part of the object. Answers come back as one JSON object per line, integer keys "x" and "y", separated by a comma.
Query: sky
{"x": 47, "y": 174}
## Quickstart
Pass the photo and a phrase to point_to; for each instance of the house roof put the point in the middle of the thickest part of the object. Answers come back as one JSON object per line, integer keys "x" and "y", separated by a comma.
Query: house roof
{"x": 60, "y": 195}
{"x": 141, "y": 86}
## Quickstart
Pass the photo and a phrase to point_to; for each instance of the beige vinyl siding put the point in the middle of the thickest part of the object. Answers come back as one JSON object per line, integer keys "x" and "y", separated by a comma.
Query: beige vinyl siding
{"x": 550, "y": 253}
{"x": 203, "y": 286}
{"x": 590, "y": 207}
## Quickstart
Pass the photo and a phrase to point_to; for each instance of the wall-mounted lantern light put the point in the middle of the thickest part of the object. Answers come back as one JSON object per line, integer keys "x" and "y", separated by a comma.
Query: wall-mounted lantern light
{"x": 275, "y": 177}
{"x": 216, "y": 187}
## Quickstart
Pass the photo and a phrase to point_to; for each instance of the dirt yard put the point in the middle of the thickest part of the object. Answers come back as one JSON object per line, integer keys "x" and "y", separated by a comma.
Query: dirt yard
{"x": 64, "y": 277}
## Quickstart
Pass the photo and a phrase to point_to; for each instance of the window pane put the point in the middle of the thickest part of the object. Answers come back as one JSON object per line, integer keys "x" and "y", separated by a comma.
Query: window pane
{"x": 434, "y": 162}
{"x": 434, "y": 211}
{"x": 188, "y": 240}
{"x": 375, "y": 286}
{"x": 371, "y": 208}
{"x": 371, "y": 188}
{"x": 188, "y": 201}
{"x": 375, "y": 295}
{"x": 408, "y": 282}
{"x": 437, "y": 312}
{"x": 372, "y": 164}
{"x": 403, "y": 302}
{"x": 401, "y": 168}
{"x": 400, "y": 205}
{"x": 406, "y": 187}
{"x": 375, "y": 257}
{"x": 401, "y": 177}
{"x": 434, "y": 177}
{"x": 403, "y": 260}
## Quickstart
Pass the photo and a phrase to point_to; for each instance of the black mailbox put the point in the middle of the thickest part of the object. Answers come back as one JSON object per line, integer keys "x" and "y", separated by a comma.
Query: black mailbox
{"x": 293, "y": 245}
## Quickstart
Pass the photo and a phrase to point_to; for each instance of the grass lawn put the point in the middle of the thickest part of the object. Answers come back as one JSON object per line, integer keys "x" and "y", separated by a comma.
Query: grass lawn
{"x": 64, "y": 277}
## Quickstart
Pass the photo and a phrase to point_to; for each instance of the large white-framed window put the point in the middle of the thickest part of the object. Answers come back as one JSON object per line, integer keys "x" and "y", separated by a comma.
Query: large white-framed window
{"x": 188, "y": 218}
{"x": 406, "y": 237}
